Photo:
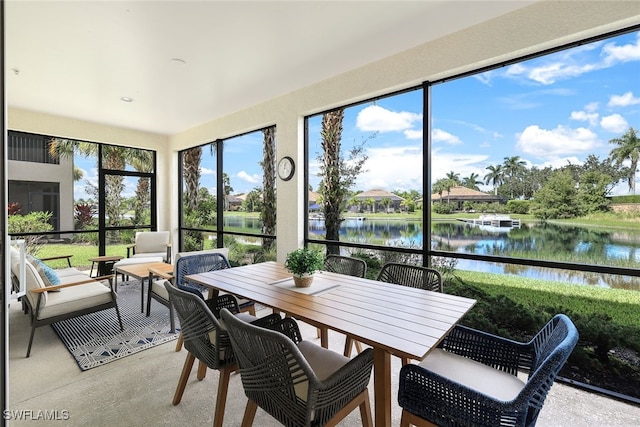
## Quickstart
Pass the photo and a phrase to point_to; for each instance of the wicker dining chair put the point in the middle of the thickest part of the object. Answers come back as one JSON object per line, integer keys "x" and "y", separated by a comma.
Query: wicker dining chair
{"x": 471, "y": 378}
{"x": 295, "y": 381}
{"x": 352, "y": 267}
{"x": 414, "y": 276}
{"x": 345, "y": 265}
{"x": 206, "y": 339}
{"x": 196, "y": 263}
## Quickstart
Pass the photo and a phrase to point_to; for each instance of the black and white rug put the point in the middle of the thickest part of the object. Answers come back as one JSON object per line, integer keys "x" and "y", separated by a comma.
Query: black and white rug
{"x": 95, "y": 339}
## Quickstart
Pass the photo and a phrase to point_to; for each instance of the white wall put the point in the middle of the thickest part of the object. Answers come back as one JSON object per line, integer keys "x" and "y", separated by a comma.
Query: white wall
{"x": 540, "y": 26}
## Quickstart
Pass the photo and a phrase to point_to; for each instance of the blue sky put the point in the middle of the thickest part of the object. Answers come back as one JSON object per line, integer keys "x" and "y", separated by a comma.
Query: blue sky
{"x": 549, "y": 111}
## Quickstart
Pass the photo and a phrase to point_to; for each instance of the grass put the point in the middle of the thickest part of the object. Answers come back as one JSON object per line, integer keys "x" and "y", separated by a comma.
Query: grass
{"x": 620, "y": 304}
{"x": 81, "y": 253}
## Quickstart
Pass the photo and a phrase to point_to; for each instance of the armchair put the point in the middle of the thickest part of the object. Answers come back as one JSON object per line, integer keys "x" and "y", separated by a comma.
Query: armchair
{"x": 471, "y": 378}
{"x": 295, "y": 381}
{"x": 151, "y": 244}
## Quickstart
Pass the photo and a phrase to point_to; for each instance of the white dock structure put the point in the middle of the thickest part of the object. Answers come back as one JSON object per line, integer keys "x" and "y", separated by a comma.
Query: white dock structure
{"x": 494, "y": 220}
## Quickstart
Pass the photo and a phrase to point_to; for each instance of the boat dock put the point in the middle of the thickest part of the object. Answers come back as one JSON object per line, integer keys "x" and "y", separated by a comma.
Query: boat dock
{"x": 502, "y": 221}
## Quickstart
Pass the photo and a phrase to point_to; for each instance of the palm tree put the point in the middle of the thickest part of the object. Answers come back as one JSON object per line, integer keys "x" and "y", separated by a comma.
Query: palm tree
{"x": 472, "y": 181}
{"x": 628, "y": 148}
{"x": 454, "y": 177}
{"x": 143, "y": 163}
{"x": 513, "y": 166}
{"x": 495, "y": 177}
{"x": 114, "y": 157}
{"x": 268, "y": 212}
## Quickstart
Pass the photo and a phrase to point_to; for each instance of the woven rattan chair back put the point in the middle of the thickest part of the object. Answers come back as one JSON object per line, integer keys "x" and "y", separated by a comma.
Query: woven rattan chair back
{"x": 345, "y": 265}
{"x": 196, "y": 264}
{"x": 414, "y": 276}
{"x": 277, "y": 378}
{"x": 202, "y": 333}
{"x": 436, "y": 399}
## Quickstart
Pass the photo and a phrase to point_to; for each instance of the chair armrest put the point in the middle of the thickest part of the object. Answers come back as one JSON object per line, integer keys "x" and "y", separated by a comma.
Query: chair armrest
{"x": 288, "y": 327}
{"x": 52, "y": 258}
{"x": 66, "y": 285}
{"x": 501, "y": 353}
{"x": 129, "y": 250}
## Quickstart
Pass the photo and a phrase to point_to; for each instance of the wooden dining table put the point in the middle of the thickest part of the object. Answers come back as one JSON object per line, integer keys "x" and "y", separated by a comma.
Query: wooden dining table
{"x": 394, "y": 320}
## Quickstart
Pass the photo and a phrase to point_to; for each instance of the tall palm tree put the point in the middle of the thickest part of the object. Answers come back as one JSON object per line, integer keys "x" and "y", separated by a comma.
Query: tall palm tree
{"x": 333, "y": 191}
{"x": 513, "y": 166}
{"x": 628, "y": 148}
{"x": 454, "y": 177}
{"x": 495, "y": 177}
{"x": 472, "y": 181}
{"x": 191, "y": 159}
{"x": 268, "y": 212}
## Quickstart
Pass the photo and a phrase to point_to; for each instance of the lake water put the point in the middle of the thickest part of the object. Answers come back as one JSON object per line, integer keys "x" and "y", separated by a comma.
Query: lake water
{"x": 570, "y": 243}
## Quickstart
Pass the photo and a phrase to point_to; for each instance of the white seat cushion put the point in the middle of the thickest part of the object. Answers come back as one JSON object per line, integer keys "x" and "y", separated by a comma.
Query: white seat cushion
{"x": 474, "y": 375}
{"x": 138, "y": 260}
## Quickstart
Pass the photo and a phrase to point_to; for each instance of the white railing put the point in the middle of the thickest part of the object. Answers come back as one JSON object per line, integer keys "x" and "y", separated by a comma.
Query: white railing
{"x": 15, "y": 294}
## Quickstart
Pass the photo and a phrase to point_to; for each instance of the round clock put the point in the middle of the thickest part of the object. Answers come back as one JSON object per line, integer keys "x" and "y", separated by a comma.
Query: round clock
{"x": 286, "y": 168}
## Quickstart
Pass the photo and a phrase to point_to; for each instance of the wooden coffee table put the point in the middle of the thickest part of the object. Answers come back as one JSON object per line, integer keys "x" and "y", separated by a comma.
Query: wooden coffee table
{"x": 141, "y": 272}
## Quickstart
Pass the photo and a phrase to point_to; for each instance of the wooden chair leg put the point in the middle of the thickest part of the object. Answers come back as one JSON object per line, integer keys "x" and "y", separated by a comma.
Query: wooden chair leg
{"x": 361, "y": 401}
{"x": 184, "y": 376}
{"x": 365, "y": 412}
{"x": 221, "y": 399}
{"x": 249, "y": 414}
{"x": 179, "y": 343}
{"x": 202, "y": 370}
{"x": 405, "y": 360}
{"x": 348, "y": 344}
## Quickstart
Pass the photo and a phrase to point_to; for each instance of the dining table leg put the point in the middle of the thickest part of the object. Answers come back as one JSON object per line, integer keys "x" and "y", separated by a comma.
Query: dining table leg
{"x": 382, "y": 387}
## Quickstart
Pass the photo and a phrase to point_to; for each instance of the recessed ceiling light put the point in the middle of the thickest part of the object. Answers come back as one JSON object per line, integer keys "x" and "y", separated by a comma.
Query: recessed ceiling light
{"x": 126, "y": 99}
{"x": 178, "y": 61}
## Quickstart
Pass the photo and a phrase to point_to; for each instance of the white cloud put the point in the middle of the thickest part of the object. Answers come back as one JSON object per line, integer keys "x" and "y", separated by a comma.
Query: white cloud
{"x": 628, "y": 52}
{"x": 251, "y": 179}
{"x": 550, "y": 73}
{"x": 591, "y": 107}
{"x": 392, "y": 168}
{"x": 623, "y": 100}
{"x": 545, "y": 143}
{"x": 207, "y": 171}
{"x": 614, "y": 123}
{"x": 413, "y": 134}
{"x": 439, "y": 135}
{"x": 583, "y": 116}
{"x": 377, "y": 119}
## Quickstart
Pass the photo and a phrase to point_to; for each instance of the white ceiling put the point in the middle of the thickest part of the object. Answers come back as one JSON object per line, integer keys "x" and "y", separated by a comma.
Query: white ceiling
{"x": 78, "y": 58}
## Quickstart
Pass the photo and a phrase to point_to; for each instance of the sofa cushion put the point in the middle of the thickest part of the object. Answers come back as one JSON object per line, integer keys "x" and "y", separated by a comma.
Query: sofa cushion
{"x": 75, "y": 298}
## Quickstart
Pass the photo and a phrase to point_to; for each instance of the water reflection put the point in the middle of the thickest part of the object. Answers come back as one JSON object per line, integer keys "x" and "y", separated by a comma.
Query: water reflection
{"x": 569, "y": 243}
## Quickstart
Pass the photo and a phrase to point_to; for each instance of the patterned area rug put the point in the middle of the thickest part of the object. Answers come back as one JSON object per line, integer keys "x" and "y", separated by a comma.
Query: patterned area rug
{"x": 95, "y": 339}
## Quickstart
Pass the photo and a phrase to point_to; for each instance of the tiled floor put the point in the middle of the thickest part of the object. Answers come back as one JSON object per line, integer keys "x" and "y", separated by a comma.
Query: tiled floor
{"x": 137, "y": 390}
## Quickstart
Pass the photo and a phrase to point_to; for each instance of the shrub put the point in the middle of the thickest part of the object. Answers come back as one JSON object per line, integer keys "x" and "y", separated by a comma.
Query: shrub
{"x": 34, "y": 222}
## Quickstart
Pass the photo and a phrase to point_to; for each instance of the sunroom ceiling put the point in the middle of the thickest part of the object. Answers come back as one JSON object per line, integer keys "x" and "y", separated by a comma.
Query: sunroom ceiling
{"x": 186, "y": 62}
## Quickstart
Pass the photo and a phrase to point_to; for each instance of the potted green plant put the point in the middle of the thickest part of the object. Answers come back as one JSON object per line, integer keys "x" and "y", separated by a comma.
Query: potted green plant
{"x": 302, "y": 263}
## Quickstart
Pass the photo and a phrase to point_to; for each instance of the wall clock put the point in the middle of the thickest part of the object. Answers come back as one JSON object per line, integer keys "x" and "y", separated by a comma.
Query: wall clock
{"x": 286, "y": 168}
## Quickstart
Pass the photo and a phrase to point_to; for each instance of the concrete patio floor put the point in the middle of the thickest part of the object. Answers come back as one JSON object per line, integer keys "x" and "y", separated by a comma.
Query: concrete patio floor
{"x": 137, "y": 390}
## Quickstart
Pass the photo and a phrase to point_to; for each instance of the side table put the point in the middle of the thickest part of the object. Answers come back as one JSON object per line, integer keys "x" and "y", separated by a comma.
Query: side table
{"x": 104, "y": 265}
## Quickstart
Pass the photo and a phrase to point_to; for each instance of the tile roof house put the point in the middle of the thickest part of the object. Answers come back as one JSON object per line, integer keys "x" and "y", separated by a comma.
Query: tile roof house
{"x": 379, "y": 197}
{"x": 459, "y": 195}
